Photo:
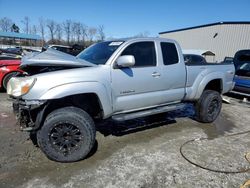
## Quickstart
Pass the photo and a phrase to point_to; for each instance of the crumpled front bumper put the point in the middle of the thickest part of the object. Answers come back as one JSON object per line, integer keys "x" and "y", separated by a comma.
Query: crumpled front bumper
{"x": 28, "y": 113}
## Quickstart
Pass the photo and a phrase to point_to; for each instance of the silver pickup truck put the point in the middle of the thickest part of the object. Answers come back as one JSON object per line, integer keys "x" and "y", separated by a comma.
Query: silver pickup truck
{"x": 60, "y": 97}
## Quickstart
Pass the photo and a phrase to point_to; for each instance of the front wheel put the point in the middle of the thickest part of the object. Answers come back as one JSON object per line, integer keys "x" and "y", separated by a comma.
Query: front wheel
{"x": 68, "y": 135}
{"x": 209, "y": 106}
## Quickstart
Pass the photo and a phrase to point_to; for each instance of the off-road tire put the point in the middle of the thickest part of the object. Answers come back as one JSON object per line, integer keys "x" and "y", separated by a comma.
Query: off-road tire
{"x": 59, "y": 119}
{"x": 7, "y": 77}
{"x": 208, "y": 107}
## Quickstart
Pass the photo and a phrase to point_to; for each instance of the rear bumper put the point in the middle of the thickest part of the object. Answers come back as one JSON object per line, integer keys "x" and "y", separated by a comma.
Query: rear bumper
{"x": 28, "y": 113}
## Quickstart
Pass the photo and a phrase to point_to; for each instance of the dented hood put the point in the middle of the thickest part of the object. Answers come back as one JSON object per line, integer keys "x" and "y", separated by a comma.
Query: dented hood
{"x": 52, "y": 57}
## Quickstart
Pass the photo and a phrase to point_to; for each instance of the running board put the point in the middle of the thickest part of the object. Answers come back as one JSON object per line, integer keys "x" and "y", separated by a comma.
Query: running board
{"x": 240, "y": 93}
{"x": 143, "y": 113}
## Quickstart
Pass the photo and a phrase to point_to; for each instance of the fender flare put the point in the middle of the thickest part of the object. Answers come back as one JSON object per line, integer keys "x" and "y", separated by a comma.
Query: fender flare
{"x": 75, "y": 88}
{"x": 208, "y": 78}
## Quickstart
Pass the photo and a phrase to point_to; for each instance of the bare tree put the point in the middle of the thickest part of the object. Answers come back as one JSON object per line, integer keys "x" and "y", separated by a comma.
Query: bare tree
{"x": 34, "y": 30}
{"x": 73, "y": 29}
{"x": 84, "y": 29}
{"x": 59, "y": 32}
{"x": 5, "y": 24}
{"x": 91, "y": 33}
{"x": 67, "y": 28}
{"x": 26, "y": 23}
{"x": 51, "y": 24}
{"x": 76, "y": 30}
{"x": 101, "y": 33}
{"x": 42, "y": 28}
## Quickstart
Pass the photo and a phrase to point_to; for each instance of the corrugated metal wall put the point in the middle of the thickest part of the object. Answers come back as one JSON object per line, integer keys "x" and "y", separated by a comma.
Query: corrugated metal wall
{"x": 230, "y": 38}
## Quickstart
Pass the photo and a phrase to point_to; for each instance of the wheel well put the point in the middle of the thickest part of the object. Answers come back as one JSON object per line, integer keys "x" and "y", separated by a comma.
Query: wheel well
{"x": 88, "y": 102}
{"x": 215, "y": 85}
{"x": 7, "y": 75}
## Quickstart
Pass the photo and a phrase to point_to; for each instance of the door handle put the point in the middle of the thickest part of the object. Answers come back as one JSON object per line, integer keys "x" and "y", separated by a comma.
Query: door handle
{"x": 156, "y": 74}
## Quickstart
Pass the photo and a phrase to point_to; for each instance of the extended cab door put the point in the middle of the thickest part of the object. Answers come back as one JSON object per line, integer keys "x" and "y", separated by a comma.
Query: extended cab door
{"x": 138, "y": 86}
{"x": 173, "y": 72}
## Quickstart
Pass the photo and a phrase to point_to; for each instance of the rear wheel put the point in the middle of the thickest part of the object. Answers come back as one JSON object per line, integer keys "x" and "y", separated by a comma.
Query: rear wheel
{"x": 209, "y": 106}
{"x": 68, "y": 135}
{"x": 7, "y": 78}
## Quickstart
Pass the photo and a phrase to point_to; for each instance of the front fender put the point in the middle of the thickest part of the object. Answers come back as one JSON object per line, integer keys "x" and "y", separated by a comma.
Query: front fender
{"x": 69, "y": 89}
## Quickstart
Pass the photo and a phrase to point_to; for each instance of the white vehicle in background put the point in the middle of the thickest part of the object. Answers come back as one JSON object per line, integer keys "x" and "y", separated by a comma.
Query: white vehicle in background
{"x": 208, "y": 55}
{"x": 72, "y": 50}
{"x": 194, "y": 59}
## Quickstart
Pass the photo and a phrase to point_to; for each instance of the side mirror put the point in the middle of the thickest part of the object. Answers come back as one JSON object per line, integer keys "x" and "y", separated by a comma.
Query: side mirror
{"x": 126, "y": 61}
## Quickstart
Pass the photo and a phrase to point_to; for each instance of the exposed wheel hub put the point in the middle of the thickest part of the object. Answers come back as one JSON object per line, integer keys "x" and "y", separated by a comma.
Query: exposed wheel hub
{"x": 213, "y": 107}
{"x": 65, "y": 138}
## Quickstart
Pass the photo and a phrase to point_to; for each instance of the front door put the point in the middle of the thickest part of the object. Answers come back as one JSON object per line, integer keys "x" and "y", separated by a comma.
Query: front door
{"x": 136, "y": 87}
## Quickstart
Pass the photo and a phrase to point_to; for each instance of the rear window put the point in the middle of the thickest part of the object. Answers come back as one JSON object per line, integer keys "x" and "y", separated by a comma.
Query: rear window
{"x": 169, "y": 53}
{"x": 244, "y": 57}
{"x": 197, "y": 59}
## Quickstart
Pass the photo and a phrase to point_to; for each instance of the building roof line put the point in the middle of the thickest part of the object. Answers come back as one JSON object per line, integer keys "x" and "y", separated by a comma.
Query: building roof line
{"x": 206, "y": 25}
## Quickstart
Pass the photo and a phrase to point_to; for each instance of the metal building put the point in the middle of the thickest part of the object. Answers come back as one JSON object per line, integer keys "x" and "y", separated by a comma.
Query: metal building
{"x": 223, "y": 39}
{"x": 12, "y": 38}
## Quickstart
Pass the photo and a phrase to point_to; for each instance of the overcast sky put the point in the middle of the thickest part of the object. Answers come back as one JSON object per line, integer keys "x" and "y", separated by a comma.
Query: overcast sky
{"x": 124, "y": 18}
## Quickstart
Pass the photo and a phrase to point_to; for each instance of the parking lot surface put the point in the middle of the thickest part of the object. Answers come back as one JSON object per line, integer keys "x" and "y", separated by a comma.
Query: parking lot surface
{"x": 139, "y": 153}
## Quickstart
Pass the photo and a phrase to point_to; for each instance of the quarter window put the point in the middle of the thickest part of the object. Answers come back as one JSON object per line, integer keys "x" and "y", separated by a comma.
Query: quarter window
{"x": 169, "y": 53}
{"x": 196, "y": 59}
{"x": 143, "y": 52}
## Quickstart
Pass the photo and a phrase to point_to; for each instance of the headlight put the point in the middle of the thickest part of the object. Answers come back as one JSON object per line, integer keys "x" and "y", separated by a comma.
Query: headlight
{"x": 18, "y": 86}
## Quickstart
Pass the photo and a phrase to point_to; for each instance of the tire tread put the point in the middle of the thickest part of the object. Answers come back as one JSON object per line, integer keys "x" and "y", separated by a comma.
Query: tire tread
{"x": 80, "y": 117}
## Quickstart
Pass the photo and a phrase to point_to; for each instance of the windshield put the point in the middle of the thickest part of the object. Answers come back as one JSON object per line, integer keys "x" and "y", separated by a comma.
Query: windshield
{"x": 99, "y": 53}
{"x": 243, "y": 70}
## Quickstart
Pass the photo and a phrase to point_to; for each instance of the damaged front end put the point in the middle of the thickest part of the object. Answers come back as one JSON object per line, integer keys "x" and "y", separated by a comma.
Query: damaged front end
{"x": 51, "y": 60}
{"x": 29, "y": 114}
{"x": 27, "y": 105}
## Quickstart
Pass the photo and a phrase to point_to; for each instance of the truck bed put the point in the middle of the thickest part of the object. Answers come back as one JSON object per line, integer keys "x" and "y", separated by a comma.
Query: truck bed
{"x": 199, "y": 74}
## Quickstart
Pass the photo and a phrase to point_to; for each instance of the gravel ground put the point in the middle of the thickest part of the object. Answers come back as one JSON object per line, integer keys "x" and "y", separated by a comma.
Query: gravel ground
{"x": 139, "y": 153}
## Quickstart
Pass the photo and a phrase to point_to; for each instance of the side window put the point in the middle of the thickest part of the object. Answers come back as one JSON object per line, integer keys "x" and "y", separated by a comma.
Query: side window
{"x": 169, "y": 53}
{"x": 144, "y": 53}
{"x": 197, "y": 59}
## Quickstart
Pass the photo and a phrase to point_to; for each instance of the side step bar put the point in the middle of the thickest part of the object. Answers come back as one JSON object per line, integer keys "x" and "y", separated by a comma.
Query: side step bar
{"x": 148, "y": 112}
{"x": 240, "y": 93}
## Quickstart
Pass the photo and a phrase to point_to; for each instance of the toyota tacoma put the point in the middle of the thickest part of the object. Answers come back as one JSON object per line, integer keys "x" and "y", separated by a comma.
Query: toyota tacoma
{"x": 60, "y": 97}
